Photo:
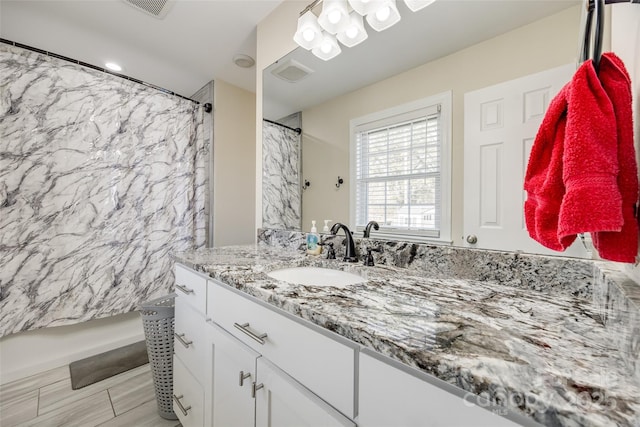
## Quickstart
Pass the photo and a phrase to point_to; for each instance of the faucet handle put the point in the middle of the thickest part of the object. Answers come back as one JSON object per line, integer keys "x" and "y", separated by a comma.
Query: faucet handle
{"x": 368, "y": 260}
{"x": 331, "y": 252}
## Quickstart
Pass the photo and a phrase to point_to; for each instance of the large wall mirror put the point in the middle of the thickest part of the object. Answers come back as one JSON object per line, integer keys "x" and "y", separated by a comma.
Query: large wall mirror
{"x": 451, "y": 46}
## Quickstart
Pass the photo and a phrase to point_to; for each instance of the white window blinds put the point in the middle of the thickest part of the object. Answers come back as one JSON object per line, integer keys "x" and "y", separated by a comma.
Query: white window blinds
{"x": 398, "y": 173}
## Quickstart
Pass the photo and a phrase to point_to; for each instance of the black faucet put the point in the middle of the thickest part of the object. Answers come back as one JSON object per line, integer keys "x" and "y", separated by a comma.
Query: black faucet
{"x": 349, "y": 247}
{"x": 367, "y": 229}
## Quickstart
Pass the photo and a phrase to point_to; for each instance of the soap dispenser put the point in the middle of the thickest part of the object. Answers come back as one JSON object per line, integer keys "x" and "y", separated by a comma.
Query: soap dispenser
{"x": 325, "y": 229}
{"x": 313, "y": 241}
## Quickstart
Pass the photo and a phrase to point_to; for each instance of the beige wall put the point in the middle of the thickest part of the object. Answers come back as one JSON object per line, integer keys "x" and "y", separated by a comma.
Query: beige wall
{"x": 536, "y": 47}
{"x": 233, "y": 165}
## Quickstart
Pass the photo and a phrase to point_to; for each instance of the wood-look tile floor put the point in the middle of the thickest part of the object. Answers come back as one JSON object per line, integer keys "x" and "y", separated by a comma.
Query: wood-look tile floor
{"x": 47, "y": 400}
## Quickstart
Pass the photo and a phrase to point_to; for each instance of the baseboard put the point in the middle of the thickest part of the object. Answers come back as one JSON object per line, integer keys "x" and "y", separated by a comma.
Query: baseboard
{"x": 21, "y": 355}
{"x": 27, "y": 371}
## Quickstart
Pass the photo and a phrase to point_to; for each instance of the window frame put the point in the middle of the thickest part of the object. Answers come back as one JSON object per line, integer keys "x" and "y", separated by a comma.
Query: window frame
{"x": 398, "y": 114}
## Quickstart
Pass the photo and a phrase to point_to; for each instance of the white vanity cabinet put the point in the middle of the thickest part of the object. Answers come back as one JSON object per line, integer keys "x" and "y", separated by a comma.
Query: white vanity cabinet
{"x": 247, "y": 364}
{"x": 282, "y": 401}
{"x": 233, "y": 374}
{"x": 189, "y": 347}
{"x": 391, "y": 396}
{"x": 296, "y": 369}
{"x": 323, "y": 364}
{"x": 248, "y": 390}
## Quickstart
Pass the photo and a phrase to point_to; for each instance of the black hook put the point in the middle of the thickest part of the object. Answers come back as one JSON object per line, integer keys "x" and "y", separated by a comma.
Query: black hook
{"x": 306, "y": 184}
{"x": 594, "y": 7}
{"x": 340, "y": 182}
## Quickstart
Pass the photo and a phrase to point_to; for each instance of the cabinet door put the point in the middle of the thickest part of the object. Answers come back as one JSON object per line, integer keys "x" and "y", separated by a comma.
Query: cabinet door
{"x": 188, "y": 396}
{"x": 283, "y": 402}
{"x": 391, "y": 397}
{"x": 234, "y": 368}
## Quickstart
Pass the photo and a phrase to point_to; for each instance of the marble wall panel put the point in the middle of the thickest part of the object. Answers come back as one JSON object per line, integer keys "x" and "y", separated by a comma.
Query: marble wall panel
{"x": 100, "y": 179}
{"x": 281, "y": 160}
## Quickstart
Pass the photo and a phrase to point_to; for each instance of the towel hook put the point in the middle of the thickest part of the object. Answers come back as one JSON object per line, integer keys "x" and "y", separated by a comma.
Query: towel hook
{"x": 594, "y": 7}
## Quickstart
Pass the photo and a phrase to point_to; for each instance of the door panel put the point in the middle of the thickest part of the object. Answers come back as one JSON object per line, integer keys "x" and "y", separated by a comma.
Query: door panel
{"x": 501, "y": 123}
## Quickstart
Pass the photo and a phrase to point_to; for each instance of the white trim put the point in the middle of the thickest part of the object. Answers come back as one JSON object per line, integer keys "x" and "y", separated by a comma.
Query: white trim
{"x": 445, "y": 101}
{"x": 32, "y": 352}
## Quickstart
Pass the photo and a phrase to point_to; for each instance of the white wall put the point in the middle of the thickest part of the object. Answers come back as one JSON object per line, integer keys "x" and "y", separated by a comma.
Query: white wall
{"x": 31, "y": 352}
{"x": 625, "y": 42}
{"x": 233, "y": 165}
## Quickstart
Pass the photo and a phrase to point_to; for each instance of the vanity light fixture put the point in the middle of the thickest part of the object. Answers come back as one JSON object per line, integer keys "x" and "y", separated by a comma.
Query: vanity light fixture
{"x": 349, "y": 27}
{"x": 363, "y": 7}
{"x": 354, "y": 33}
{"x": 328, "y": 47}
{"x": 334, "y": 17}
{"x": 385, "y": 15}
{"x": 416, "y": 5}
{"x": 309, "y": 34}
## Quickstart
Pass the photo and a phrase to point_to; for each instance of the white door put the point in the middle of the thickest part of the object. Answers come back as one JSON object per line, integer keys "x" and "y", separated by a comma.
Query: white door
{"x": 283, "y": 402}
{"x": 234, "y": 370}
{"x": 500, "y": 125}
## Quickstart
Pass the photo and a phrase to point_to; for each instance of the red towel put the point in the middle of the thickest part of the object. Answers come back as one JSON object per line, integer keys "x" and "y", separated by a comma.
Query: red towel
{"x": 590, "y": 161}
{"x": 543, "y": 180}
{"x": 581, "y": 161}
{"x": 621, "y": 246}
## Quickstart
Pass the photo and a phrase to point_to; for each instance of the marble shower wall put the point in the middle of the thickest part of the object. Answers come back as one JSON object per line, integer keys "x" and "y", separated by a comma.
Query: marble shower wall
{"x": 100, "y": 179}
{"x": 281, "y": 199}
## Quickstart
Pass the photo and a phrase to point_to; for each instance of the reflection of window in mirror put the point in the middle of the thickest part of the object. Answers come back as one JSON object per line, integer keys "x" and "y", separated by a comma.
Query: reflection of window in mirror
{"x": 402, "y": 169}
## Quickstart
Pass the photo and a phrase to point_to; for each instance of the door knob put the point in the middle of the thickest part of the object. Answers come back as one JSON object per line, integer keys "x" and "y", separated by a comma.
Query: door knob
{"x": 472, "y": 239}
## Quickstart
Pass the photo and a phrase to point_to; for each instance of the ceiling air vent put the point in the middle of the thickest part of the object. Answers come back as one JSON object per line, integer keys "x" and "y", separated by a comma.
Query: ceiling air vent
{"x": 156, "y": 8}
{"x": 291, "y": 71}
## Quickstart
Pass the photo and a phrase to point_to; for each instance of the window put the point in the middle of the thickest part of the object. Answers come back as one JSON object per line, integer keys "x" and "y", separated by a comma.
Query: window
{"x": 400, "y": 161}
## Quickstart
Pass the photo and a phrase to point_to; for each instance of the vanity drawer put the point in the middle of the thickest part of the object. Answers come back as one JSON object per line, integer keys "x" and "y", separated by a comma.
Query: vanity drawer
{"x": 322, "y": 364}
{"x": 192, "y": 288}
{"x": 189, "y": 339}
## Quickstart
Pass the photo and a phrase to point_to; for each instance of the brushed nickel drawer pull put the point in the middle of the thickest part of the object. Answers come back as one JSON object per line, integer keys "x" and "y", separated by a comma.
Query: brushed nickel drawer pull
{"x": 182, "y": 408}
{"x": 184, "y": 289}
{"x": 245, "y": 328}
{"x": 255, "y": 388}
{"x": 244, "y": 376}
{"x": 183, "y": 341}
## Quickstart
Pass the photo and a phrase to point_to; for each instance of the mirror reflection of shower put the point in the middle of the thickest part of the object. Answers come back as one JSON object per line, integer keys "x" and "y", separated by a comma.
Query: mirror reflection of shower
{"x": 281, "y": 172}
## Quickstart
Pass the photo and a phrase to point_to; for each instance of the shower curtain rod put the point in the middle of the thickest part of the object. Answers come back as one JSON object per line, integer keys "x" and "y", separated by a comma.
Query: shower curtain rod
{"x": 104, "y": 70}
{"x": 296, "y": 130}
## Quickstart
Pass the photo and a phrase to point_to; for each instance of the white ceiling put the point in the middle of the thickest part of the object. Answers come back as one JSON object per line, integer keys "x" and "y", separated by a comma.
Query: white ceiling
{"x": 196, "y": 41}
{"x": 193, "y": 44}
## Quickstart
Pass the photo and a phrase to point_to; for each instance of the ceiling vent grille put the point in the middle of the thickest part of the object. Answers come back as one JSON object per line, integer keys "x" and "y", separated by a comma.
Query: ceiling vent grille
{"x": 156, "y": 8}
{"x": 291, "y": 71}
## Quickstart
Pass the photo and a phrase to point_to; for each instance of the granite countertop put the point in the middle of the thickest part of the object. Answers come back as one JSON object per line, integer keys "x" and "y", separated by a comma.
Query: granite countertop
{"x": 545, "y": 356}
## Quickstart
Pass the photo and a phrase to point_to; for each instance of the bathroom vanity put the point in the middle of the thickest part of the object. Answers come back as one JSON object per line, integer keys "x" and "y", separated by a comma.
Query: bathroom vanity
{"x": 398, "y": 349}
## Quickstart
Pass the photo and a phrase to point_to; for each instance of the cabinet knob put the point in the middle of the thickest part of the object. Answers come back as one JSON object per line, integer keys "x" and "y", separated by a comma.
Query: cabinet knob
{"x": 472, "y": 239}
{"x": 244, "y": 376}
{"x": 255, "y": 388}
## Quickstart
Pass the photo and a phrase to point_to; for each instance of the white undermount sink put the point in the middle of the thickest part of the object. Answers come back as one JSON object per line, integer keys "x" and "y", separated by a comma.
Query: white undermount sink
{"x": 316, "y": 276}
